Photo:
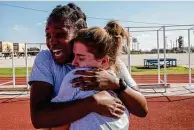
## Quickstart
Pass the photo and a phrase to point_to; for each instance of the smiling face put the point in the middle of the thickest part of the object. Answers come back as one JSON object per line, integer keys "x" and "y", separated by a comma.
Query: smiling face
{"x": 84, "y": 58}
{"x": 58, "y": 37}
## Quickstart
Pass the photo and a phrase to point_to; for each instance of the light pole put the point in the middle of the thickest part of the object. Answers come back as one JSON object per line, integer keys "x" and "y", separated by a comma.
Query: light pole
{"x": 171, "y": 44}
{"x": 137, "y": 46}
{"x": 166, "y": 42}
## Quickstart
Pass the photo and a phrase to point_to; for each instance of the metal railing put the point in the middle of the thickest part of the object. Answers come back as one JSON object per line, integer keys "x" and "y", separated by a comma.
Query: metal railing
{"x": 164, "y": 29}
{"x": 157, "y": 30}
{"x": 13, "y": 81}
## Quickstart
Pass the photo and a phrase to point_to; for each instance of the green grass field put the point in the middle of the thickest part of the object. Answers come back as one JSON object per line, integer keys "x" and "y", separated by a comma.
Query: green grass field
{"x": 136, "y": 70}
{"x": 19, "y": 71}
{"x": 139, "y": 70}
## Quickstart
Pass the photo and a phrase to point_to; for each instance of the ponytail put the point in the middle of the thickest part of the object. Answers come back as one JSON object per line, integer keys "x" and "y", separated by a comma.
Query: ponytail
{"x": 117, "y": 32}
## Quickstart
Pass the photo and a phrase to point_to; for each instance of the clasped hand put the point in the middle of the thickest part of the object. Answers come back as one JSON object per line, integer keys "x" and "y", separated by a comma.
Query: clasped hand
{"x": 95, "y": 79}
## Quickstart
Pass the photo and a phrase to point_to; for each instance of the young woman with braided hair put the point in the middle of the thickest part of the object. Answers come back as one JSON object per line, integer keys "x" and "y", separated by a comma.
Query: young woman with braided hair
{"x": 52, "y": 65}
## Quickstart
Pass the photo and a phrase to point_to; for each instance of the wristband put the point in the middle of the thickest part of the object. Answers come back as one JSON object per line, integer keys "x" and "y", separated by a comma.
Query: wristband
{"x": 123, "y": 86}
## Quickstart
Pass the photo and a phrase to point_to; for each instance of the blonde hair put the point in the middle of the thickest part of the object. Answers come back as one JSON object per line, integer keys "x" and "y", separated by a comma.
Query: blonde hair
{"x": 104, "y": 41}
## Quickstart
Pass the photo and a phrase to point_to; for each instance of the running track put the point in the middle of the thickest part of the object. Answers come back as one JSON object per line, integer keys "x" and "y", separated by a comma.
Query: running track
{"x": 138, "y": 78}
{"x": 165, "y": 113}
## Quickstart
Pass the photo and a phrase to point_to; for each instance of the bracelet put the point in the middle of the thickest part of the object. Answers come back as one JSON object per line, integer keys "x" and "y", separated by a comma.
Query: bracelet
{"x": 123, "y": 86}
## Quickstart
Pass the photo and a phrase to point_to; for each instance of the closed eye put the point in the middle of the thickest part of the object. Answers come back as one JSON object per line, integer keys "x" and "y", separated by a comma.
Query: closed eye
{"x": 80, "y": 57}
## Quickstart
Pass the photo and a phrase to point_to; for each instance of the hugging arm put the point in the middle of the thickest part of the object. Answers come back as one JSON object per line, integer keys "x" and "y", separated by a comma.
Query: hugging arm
{"x": 102, "y": 80}
{"x": 133, "y": 100}
{"x": 45, "y": 114}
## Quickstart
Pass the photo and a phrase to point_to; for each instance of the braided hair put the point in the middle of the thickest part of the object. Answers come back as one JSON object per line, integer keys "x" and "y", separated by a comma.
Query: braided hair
{"x": 70, "y": 14}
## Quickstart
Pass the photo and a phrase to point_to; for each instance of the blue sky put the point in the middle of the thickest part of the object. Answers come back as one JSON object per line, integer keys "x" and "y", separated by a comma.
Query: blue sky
{"x": 22, "y": 25}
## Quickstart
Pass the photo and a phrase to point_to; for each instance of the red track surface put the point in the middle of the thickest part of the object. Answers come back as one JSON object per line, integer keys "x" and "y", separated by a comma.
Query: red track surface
{"x": 138, "y": 78}
{"x": 165, "y": 113}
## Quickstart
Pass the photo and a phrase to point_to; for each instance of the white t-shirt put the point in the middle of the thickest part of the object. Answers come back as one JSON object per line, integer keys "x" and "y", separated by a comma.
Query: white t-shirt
{"x": 124, "y": 73}
{"x": 92, "y": 121}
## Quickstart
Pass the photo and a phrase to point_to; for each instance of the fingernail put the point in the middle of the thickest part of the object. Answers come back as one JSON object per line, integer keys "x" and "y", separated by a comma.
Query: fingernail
{"x": 73, "y": 85}
{"x": 74, "y": 72}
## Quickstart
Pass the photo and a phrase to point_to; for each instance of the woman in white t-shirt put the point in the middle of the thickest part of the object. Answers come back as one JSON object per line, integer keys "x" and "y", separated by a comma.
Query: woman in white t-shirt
{"x": 96, "y": 47}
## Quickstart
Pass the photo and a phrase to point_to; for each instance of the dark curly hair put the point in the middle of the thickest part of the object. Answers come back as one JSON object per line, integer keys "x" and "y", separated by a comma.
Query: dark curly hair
{"x": 70, "y": 14}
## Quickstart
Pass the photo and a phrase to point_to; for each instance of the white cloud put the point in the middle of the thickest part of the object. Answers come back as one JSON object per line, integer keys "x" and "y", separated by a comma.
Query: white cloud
{"x": 41, "y": 23}
{"x": 19, "y": 27}
{"x": 16, "y": 27}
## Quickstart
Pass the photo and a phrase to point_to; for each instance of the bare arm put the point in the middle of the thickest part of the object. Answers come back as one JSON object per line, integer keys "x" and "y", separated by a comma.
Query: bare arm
{"x": 102, "y": 80}
{"x": 134, "y": 101}
{"x": 45, "y": 114}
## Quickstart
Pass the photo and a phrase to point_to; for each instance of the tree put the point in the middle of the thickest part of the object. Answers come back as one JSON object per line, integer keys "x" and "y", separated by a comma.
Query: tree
{"x": 180, "y": 42}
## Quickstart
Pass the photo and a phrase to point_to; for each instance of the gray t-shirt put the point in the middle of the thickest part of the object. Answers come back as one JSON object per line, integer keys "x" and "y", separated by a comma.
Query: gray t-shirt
{"x": 45, "y": 69}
